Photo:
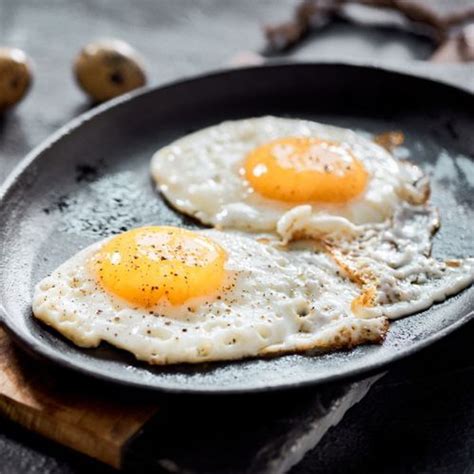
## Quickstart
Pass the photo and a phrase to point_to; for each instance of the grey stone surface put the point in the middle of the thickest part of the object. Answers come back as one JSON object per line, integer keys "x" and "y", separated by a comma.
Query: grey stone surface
{"x": 267, "y": 433}
{"x": 418, "y": 419}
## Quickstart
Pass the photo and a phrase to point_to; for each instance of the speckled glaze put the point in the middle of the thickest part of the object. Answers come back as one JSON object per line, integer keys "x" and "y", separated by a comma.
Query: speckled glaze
{"x": 91, "y": 180}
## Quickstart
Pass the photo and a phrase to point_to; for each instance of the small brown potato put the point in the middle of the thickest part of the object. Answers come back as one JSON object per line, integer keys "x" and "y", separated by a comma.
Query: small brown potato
{"x": 15, "y": 76}
{"x": 108, "y": 68}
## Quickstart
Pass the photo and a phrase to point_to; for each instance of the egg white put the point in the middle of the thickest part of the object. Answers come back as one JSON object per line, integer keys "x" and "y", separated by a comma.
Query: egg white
{"x": 396, "y": 256}
{"x": 201, "y": 175}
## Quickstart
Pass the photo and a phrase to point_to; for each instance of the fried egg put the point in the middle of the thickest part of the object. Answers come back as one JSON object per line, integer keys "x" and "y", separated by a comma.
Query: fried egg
{"x": 250, "y": 174}
{"x": 171, "y": 295}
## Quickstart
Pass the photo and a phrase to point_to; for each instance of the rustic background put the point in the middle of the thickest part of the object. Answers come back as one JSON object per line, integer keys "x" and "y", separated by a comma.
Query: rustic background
{"x": 418, "y": 418}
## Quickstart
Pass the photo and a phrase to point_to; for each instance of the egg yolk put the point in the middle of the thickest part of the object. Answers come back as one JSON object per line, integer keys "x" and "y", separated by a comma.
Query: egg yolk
{"x": 145, "y": 265}
{"x": 304, "y": 169}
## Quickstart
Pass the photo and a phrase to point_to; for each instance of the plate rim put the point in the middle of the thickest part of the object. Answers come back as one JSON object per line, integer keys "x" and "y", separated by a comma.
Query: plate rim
{"x": 32, "y": 346}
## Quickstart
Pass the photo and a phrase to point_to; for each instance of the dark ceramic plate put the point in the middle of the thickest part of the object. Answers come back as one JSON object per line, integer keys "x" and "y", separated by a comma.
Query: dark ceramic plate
{"x": 91, "y": 179}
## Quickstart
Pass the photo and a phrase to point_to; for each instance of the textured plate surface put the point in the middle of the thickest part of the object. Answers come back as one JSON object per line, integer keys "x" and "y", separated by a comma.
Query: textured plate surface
{"x": 91, "y": 180}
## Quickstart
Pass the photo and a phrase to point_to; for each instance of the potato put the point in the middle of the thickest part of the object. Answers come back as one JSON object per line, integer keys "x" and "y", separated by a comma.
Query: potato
{"x": 108, "y": 68}
{"x": 15, "y": 76}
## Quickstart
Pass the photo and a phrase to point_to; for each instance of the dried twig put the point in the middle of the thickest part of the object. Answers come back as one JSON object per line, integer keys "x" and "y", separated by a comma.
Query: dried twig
{"x": 313, "y": 14}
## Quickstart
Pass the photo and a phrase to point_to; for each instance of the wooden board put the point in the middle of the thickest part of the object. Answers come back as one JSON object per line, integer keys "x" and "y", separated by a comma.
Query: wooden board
{"x": 125, "y": 430}
{"x": 53, "y": 404}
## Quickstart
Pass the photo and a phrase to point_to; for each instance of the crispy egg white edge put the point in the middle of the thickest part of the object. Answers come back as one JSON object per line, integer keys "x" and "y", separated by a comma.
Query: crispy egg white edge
{"x": 398, "y": 253}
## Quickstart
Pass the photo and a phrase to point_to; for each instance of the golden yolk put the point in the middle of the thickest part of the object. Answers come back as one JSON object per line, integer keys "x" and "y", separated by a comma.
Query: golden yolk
{"x": 303, "y": 169}
{"x": 145, "y": 265}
